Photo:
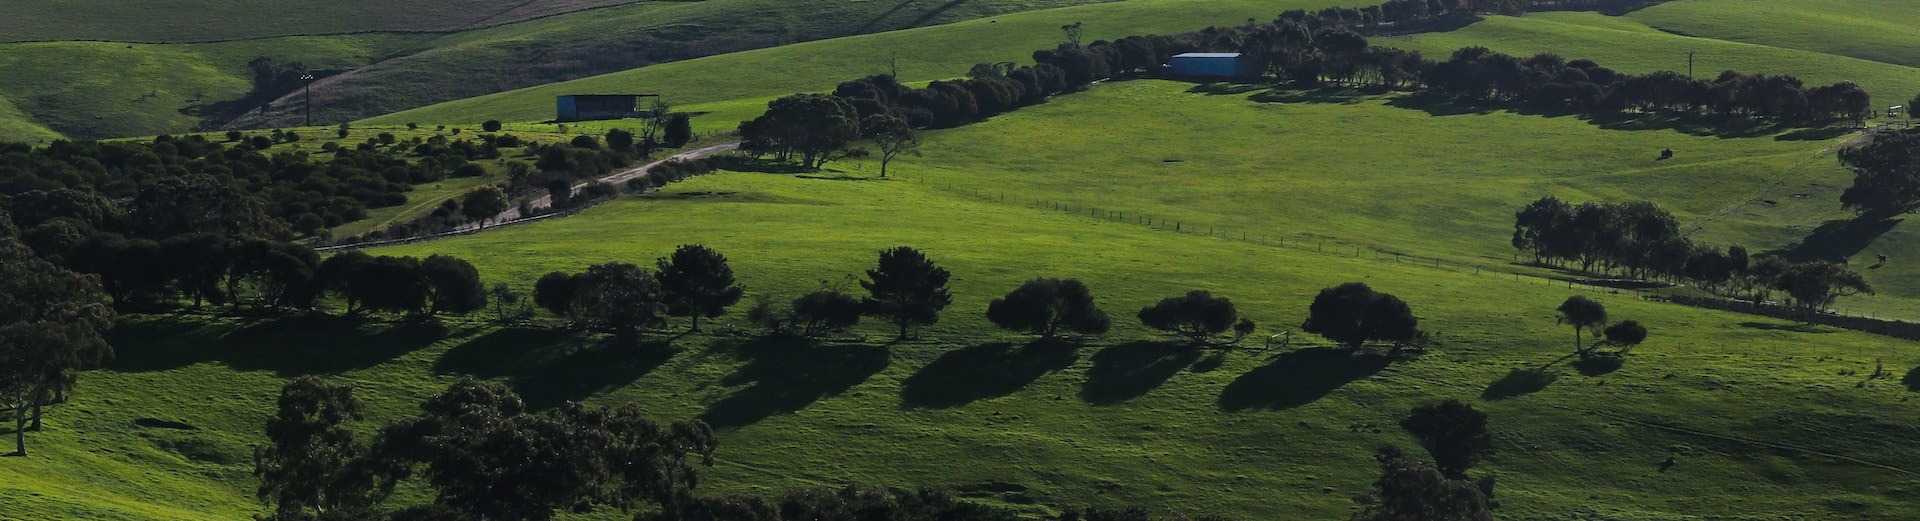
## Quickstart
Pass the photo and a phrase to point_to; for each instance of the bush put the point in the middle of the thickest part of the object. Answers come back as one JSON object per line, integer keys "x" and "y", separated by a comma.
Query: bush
{"x": 1197, "y": 315}
{"x": 235, "y": 135}
{"x": 491, "y": 125}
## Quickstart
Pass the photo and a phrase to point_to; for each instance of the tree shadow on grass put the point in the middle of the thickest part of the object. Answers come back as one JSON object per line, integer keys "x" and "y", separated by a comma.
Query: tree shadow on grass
{"x": 789, "y": 374}
{"x": 1814, "y": 134}
{"x": 965, "y": 375}
{"x": 1836, "y": 239}
{"x": 288, "y": 346}
{"x": 1598, "y": 365}
{"x": 586, "y": 373}
{"x": 1298, "y": 378}
{"x": 1796, "y": 327}
{"x": 507, "y": 352}
{"x": 1330, "y": 94}
{"x": 1129, "y": 370}
{"x": 1519, "y": 382}
{"x": 1912, "y": 380}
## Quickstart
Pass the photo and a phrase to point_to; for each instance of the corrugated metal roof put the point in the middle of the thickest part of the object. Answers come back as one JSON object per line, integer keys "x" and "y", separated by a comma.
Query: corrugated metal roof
{"x": 1208, "y": 55}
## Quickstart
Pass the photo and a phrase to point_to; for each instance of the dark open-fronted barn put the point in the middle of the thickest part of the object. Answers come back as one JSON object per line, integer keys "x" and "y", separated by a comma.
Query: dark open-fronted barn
{"x": 584, "y": 107}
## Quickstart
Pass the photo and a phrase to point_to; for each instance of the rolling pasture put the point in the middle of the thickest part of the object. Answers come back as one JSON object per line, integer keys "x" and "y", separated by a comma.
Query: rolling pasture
{"x": 1764, "y": 417}
{"x": 126, "y": 70}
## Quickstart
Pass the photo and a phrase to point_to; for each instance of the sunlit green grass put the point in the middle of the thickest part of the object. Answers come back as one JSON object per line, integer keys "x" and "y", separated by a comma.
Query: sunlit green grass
{"x": 1878, "y": 30}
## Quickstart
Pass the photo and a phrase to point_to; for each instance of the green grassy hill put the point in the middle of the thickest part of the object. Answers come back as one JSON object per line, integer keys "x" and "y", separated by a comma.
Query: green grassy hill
{"x": 1878, "y": 30}
{"x": 180, "y": 21}
{"x": 395, "y": 56}
{"x": 1764, "y": 417}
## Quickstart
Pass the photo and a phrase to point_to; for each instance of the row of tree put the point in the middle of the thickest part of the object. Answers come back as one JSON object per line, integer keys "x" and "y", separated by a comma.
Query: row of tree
{"x": 1886, "y": 175}
{"x": 1642, "y": 240}
{"x": 52, "y": 323}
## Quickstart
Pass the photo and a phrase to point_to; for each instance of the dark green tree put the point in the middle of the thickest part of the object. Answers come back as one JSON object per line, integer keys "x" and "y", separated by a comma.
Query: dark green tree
{"x": 483, "y": 203}
{"x": 491, "y": 125}
{"x": 825, "y": 311}
{"x": 814, "y": 128}
{"x": 619, "y": 298}
{"x": 1886, "y": 175}
{"x": 1353, "y": 314}
{"x": 1453, "y": 433}
{"x": 200, "y": 203}
{"x": 1626, "y": 334}
{"x": 1047, "y": 307}
{"x": 1197, "y": 315}
{"x": 907, "y": 288}
{"x": 619, "y": 140}
{"x": 453, "y": 285}
{"x": 679, "y": 131}
{"x": 51, "y": 326}
{"x": 697, "y": 282}
{"x": 1815, "y": 285}
{"x": 892, "y": 135}
{"x": 1583, "y": 314}
{"x": 1409, "y": 490}
{"x": 554, "y": 293}
{"x": 313, "y": 467}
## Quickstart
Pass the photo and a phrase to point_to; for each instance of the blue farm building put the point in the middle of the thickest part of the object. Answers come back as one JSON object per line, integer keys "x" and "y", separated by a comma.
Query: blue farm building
{"x": 1213, "y": 65}
{"x": 583, "y": 107}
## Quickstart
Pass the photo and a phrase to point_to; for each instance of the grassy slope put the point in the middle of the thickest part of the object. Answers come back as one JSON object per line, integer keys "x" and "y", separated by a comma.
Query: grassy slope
{"x": 925, "y": 54}
{"x": 1623, "y": 45}
{"x": 96, "y": 89}
{"x": 1249, "y": 435}
{"x": 1878, "y": 30}
{"x": 176, "y": 21}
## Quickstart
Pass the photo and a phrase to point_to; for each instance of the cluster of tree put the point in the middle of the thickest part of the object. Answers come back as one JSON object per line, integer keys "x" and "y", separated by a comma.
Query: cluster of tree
{"x": 622, "y": 298}
{"x": 1587, "y": 315}
{"x": 1406, "y": 16}
{"x": 437, "y": 284}
{"x": 1456, "y": 436}
{"x": 480, "y": 451}
{"x": 52, "y": 323}
{"x": 1886, "y": 175}
{"x": 189, "y": 184}
{"x": 1550, "y": 81}
{"x": 1641, "y": 240}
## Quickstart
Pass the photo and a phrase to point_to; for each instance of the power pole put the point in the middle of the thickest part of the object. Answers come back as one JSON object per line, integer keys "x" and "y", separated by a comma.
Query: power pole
{"x": 1690, "y": 65}
{"x": 308, "y": 77}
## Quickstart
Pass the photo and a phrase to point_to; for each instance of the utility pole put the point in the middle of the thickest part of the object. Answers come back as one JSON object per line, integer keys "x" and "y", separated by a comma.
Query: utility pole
{"x": 1690, "y": 65}
{"x": 308, "y": 77}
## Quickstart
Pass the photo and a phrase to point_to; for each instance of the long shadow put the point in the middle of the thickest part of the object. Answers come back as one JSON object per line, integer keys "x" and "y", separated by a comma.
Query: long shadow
{"x": 1836, "y": 239}
{"x": 1298, "y": 378}
{"x": 507, "y": 352}
{"x": 963, "y": 376}
{"x": 937, "y": 11}
{"x": 788, "y": 375}
{"x": 1334, "y": 95}
{"x": 1129, "y": 370}
{"x": 1598, "y": 365}
{"x": 289, "y": 346}
{"x": 1519, "y": 382}
{"x": 1796, "y": 327}
{"x": 587, "y": 373}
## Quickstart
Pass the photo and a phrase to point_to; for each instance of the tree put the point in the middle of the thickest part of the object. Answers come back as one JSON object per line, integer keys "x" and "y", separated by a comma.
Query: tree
{"x": 1411, "y": 491}
{"x": 1886, "y": 176}
{"x": 1815, "y": 285}
{"x": 1197, "y": 315}
{"x": 617, "y": 297}
{"x": 825, "y": 311}
{"x": 1046, "y": 307}
{"x": 1353, "y": 314}
{"x": 51, "y": 326}
{"x": 1626, "y": 334}
{"x": 454, "y": 285}
{"x": 892, "y": 135}
{"x": 491, "y": 125}
{"x": 1583, "y": 314}
{"x": 200, "y": 203}
{"x": 554, "y": 293}
{"x": 1454, "y": 433}
{"x": 483, "y": 203}
{"x": 659, "y": 115}
{"x": 813, "y": 127}
{"x": 679, "y": 131}
{"x": 907, "y": 288}
{"x": 619, "y": 140}
{"x": 313, "y": 467}
{"x": 696, "y": 282}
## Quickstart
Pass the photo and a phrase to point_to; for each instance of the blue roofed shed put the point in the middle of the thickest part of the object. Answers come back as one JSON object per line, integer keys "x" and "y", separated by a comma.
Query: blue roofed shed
{"x": 1213, "y": 65}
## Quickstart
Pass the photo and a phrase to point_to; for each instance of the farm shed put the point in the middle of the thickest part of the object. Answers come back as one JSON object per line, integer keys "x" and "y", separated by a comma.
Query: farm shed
{"x": 583, "y": 107}
{"x": 1213, "y": 65}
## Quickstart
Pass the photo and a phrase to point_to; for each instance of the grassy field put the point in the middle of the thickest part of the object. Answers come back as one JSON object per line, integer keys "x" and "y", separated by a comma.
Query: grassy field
{"x": 927, "y": 53}
{"x": 188, "y": 21}
{"x": 1877, "y": 30}
{"x": 98, "y": 89}
{"x": 1766, "y": 419}
{"x": 1625, "y": 44}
